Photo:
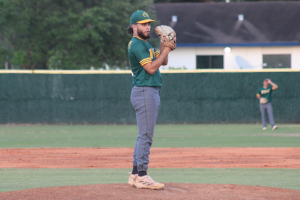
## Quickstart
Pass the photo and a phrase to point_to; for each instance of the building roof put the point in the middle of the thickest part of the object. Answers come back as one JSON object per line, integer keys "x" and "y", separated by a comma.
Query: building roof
{"x": 217, "y": 24}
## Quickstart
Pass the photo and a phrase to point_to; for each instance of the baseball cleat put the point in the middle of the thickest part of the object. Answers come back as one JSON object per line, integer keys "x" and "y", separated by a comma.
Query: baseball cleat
{"x": 148, "y": 183}
{"x": 132, "y": 178}
{"x": 274, "y": 127}
{"x": 264, "y": 128}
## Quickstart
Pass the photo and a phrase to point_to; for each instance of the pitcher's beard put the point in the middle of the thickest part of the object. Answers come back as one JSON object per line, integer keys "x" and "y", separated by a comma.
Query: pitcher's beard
{"x": 142, "y": 35}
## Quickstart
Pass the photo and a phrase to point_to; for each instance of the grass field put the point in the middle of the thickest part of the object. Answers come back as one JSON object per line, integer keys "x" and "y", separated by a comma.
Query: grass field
{"x": 21, "y": 179}
{"x": 229, "y": 135}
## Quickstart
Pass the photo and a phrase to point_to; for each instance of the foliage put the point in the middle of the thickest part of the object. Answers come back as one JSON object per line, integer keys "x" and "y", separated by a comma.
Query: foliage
{"x": 205, "y": 1}
{"x": 66, "y": 34}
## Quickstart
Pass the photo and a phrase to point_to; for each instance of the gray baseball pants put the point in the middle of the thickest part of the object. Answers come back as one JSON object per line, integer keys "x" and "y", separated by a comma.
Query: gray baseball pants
{"x": 146, "y": 102}
{"x": 263, "y": 108}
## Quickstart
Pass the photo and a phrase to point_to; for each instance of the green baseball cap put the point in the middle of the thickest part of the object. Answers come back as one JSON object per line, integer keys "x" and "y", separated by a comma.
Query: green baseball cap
{"x": 140, "y": 17}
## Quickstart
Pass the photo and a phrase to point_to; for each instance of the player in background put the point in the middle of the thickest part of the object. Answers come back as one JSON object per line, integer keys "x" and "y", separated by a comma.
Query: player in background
{"x": 145, "y": 62}
{"x": 265, "y": 92}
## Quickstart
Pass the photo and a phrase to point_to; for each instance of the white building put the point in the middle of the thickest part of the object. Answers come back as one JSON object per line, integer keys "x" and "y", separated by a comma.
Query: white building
{"x": 248, "y": 35}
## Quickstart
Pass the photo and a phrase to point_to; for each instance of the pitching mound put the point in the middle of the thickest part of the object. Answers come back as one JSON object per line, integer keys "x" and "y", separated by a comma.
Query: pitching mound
{"x": 171, "y": 191}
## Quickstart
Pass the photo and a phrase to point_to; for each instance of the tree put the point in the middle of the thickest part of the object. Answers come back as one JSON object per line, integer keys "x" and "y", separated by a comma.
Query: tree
{"x": 205, "y": 1}
{"x": 66, "y": 34}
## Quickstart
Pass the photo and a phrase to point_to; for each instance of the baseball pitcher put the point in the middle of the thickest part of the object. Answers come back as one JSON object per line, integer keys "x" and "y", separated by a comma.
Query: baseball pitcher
{"x": 145, "y": 62}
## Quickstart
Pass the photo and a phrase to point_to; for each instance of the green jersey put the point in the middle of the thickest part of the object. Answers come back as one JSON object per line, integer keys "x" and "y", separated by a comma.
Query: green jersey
{"x": 140, "y": 53}
{"x": 265, "y": 92}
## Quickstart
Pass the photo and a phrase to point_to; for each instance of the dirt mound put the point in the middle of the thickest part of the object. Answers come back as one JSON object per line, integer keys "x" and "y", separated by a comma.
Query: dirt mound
{"x": 171, "y": 191}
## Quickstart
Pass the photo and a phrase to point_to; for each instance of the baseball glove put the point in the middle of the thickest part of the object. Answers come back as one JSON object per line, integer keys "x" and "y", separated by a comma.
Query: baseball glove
{"x": 167, "y": 36}
{"x": 263, "y": 100}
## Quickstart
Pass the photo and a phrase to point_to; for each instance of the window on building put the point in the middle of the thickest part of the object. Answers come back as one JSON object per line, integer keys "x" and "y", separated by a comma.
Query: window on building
{"x": 210, "y": 62}
{"x": 277, "y": 61}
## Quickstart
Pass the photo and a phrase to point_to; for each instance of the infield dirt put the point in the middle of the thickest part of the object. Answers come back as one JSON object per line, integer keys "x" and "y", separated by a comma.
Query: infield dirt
{"x": 171, "y": 191}
{"x": 160, "y": 158}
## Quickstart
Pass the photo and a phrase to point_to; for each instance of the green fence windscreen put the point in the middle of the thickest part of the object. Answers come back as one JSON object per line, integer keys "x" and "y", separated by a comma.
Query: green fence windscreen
{"x": 105, "y": 98}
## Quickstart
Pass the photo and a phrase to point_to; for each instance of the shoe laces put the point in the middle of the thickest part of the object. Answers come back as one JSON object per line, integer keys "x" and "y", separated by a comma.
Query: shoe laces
{"x": 150, "y": 180}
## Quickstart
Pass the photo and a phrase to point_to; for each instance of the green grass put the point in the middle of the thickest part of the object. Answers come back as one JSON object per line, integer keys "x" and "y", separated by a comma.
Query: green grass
{"x": 21, "y": 179}
{"x": 212, "y": 135}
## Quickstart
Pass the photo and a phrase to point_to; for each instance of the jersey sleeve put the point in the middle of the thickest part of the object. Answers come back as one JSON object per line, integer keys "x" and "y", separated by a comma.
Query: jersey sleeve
{"x": 142, "y": 54}
{"x": 156, "y": 53}
{"x": 258, "y": 92}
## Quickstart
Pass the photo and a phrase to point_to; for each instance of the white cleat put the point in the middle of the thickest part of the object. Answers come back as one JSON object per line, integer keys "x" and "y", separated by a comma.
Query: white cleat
{"x": 132, "y": 179}
{"x": 148, "y": 183}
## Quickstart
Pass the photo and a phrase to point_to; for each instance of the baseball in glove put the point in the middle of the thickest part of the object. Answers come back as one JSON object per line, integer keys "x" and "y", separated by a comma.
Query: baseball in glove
{"x": 167, "y": 36}
{"x": 263, "y": 100}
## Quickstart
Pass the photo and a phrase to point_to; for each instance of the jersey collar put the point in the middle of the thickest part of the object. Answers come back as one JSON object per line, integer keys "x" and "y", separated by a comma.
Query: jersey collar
{"x": 139, "y": 38}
